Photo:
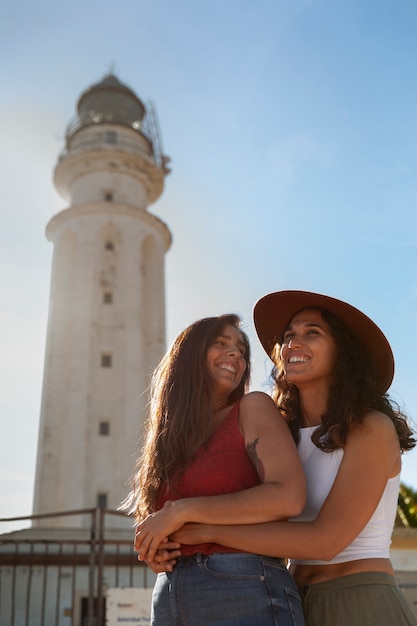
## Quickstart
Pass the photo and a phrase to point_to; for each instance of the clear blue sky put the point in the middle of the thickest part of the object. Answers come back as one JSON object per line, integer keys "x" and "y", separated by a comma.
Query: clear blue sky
{"x": 292, "y": 131}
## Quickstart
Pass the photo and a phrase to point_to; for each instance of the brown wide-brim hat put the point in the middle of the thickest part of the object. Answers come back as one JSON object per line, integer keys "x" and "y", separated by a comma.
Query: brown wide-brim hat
{"x": 273, "y": 313}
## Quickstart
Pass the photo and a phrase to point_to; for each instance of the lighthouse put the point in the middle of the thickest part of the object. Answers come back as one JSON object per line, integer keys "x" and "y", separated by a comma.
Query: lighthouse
{"x": 106, "y": 326}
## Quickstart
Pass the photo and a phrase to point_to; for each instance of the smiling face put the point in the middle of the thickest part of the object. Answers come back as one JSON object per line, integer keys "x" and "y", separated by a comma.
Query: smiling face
{"x": 226, "y": 362}
{"x": 308, "y": 350}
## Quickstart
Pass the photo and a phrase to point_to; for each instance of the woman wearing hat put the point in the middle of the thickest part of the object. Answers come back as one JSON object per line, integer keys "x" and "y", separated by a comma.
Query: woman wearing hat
{"x": 333, "y": 367}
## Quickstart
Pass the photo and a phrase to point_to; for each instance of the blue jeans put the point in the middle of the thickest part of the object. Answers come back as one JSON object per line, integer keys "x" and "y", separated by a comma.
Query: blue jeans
{"x": 222, "y": 589}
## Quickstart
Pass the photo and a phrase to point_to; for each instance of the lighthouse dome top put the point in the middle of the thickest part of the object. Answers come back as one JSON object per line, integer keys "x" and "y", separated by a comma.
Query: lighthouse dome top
{"x": 108, "y": 101}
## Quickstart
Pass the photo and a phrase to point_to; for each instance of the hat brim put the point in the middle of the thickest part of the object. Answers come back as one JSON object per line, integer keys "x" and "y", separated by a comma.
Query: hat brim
{"x": 273, "y": 313}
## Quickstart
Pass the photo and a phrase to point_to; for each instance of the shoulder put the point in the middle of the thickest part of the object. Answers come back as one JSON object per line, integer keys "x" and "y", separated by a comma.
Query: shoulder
{"x": 373, "y": 447}
{"x": 257, "y": 399}
{"x": 258, "y": 409}
{"x": 376, "y": 423}
{"x": 376, "y": 438}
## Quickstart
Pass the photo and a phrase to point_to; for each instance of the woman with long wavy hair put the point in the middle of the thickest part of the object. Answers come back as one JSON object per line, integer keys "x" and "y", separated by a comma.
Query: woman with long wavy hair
{"x": 215, "y": 454}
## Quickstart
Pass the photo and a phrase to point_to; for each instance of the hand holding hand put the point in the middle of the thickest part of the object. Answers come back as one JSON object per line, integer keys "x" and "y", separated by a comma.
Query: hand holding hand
{"x": 152, "y": 531}
{"x": 165, "y": 558}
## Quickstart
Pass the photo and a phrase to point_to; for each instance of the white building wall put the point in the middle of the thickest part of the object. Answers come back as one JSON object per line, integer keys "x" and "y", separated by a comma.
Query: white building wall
{"x": 76, "y": 462}
{"x": 94, "y": 186}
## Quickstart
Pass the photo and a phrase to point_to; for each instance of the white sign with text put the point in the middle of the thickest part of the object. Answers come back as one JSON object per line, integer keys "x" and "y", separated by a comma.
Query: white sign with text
{"x": 128, "y": 605}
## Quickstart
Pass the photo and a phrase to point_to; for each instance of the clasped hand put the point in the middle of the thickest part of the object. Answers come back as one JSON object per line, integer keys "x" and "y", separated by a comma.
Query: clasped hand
{"x": 169, "y": 550}
{"x": 159, "y": 536}
{"x": 155, "y": 529}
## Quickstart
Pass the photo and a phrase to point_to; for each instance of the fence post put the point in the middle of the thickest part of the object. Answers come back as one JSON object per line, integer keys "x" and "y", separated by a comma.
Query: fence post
{"x": 92, "y": 565}
{"x": 100, "y": 567}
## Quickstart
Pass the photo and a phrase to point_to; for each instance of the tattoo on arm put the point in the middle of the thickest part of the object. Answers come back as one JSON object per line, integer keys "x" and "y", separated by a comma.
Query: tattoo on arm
{"x": 251, "y": 450}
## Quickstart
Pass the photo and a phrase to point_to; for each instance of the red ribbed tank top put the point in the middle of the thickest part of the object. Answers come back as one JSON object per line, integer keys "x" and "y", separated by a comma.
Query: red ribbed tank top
{"x": 219, "y": 467}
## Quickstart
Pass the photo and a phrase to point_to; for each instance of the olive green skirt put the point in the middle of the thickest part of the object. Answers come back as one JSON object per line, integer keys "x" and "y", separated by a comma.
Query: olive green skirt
{"x": 364, "y": 599}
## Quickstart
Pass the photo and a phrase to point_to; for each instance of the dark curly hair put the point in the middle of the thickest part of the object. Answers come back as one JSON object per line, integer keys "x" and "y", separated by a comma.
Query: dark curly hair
{"x": 353, "y": 392}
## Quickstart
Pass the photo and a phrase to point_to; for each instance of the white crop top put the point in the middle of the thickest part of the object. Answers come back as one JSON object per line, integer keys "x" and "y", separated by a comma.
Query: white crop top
{"x": 320, "y": 469}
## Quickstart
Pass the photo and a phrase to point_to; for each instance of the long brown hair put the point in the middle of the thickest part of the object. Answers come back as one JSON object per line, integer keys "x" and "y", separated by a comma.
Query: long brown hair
{"x": 180, "y": 415}
{"x": 353, "y": 392}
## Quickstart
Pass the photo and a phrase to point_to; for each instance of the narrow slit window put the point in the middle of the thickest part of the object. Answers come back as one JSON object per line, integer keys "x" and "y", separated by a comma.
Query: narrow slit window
{"x": 107, "y": 297}
{"x": 108, "y": 196}
{"x": 104, "y": 428}
{"x": 106, "y": 360}
{"x": 102, "y": 500}
{"x": 109, "y": 245}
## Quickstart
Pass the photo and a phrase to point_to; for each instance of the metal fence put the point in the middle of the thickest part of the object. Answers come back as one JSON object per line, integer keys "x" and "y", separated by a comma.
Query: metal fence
{"x": 59, "y": 576}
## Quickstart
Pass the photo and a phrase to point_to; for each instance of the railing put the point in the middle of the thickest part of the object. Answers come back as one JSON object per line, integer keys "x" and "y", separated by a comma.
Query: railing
{"x": 148, "y": 127}
{"x": 59, "y": 575}
{"x": 94, "y": 118}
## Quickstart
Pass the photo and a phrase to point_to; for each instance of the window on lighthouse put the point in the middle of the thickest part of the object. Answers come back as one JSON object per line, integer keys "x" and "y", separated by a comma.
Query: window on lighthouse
{"x": 106, "y": 360}
{"x": 102, "y": 500}
{"x": 104, "y": 428}
{"x": 107, "y": 297}
{"x": 109, "y": 245}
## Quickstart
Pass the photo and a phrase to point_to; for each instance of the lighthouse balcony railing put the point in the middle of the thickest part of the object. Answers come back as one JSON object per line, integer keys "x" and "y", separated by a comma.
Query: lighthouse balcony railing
{"x": 94, "y": 118}
{"x": 146, "y": 128}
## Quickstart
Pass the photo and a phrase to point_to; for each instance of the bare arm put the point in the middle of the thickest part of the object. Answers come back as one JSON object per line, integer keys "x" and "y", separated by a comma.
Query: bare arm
{"x": 371, "y": 457}
{"x": 280, "y": 495}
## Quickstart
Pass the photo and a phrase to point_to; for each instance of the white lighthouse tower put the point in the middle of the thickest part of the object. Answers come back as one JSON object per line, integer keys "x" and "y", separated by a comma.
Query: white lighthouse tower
{"x": 106, "y": 327}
